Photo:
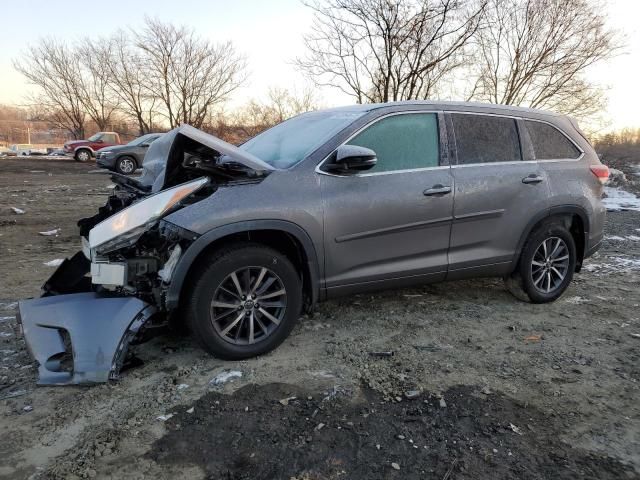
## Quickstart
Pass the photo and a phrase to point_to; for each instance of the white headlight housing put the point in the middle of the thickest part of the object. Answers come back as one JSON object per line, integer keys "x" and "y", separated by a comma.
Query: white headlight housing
{"x": 125, "y": 227}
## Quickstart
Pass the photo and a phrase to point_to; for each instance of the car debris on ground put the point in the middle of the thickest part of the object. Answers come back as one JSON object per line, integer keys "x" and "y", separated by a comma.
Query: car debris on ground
{"x": 56, "y": 262}
{"x": 224, "y": 377}
{"x": 382, "y": 354}
{"x": 49, "y": 233}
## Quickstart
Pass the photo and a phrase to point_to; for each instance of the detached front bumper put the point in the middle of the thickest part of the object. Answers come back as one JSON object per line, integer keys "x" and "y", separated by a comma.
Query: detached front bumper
{"x": 91, "y": 329}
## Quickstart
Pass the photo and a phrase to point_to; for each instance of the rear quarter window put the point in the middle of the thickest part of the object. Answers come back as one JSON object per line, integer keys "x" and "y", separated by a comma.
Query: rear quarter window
{"x": 485, "y": 139}
{"x": 549, "y": 143}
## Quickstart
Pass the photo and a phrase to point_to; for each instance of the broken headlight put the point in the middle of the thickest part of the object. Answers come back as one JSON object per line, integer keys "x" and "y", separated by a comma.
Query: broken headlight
{"x": 125, "y": 227}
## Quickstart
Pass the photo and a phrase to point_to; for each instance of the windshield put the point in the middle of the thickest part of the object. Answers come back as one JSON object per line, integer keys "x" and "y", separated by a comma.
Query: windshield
{"x": 143, "y": 139}
{"x": 95, "y": 137}
{"x": 289, "y": 142}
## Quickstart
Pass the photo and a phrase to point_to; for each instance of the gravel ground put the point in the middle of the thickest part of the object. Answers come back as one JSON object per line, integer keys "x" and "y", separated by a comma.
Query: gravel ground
{"x": 480, "y": 385}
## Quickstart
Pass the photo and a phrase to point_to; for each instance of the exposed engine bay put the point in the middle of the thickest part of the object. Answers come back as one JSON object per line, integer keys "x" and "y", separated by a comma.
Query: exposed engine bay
{"x": 137, "y": 259}
{"x": 112, "y": 292}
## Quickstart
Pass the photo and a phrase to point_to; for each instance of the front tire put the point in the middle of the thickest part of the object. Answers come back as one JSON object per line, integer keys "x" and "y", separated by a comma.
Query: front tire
{"x": 126, "y": 165}
{"x": 547, "y": 262}
{"x": 82, "y": 155}
{"x": 244, "y": 302}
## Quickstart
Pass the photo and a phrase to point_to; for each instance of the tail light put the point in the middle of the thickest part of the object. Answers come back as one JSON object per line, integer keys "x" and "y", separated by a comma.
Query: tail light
{"x": 600, "y": 171}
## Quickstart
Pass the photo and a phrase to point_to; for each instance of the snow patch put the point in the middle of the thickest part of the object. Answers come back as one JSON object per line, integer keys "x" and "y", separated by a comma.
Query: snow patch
{"x": 614, "y": 265}
{"x": 576, "y": 300}
{"x": 618, "y": 200}
{"x": 618, "y": 238}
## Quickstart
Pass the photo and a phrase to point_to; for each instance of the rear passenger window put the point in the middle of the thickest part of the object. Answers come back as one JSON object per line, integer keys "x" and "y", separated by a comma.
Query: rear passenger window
{"x": 549, "y": 143}
{"x": 402, "y": 142}
{"x": 486, "y": 139}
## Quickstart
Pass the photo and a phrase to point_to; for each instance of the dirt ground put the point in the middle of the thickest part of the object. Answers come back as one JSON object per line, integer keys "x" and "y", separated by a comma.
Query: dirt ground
{"x": 480, "y": 385}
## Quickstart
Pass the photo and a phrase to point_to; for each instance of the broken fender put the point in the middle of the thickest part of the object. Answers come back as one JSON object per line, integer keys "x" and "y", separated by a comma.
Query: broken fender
{"x": 91, "y": 329}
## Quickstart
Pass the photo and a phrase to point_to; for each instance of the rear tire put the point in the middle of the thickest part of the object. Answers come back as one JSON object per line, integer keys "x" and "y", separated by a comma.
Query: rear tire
{"x": 546, "y": 264}
{"x": 251, "y": 314}
{"x": 82, "y": 155}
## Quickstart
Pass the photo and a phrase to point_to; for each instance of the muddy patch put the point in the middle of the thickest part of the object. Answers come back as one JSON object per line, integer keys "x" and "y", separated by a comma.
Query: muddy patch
{"x": 283, "y": 431}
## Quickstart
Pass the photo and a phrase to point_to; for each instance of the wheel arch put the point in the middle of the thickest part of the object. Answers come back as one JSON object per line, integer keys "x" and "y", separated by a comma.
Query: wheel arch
{"x": 286, "y": 237}
{"x": 577, "y": 221}
{"x": 84, "y": 147}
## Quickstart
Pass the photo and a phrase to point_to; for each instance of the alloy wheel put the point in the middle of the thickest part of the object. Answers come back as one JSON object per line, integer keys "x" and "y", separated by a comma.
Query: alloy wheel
{"x": 248, "y": 305}
{"x": 83, "y": 156}
{"x": 550, "y": 264}
{"x": 126, "y": 165}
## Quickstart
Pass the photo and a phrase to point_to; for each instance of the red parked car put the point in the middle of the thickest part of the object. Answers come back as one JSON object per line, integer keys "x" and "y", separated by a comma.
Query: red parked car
{"x": 83, "y": 150}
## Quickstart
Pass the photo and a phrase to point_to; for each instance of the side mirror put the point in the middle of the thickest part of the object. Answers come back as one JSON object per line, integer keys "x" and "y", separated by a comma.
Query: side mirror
{"x": 99, "y": 141}
{"x": 145, "y": 145}
{"x": 352, "y": 158}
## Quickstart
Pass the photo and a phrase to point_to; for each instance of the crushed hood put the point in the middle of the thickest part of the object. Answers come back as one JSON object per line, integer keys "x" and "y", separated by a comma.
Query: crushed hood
{"x": 164, "y": 155}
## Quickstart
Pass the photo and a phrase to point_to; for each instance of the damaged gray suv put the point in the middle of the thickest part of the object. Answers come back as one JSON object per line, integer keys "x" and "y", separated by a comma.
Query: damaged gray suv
{"x": 237, "y": 241}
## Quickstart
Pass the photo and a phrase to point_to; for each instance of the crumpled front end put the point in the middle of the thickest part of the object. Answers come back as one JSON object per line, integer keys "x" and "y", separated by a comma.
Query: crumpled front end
{"x": 112, "y": 293}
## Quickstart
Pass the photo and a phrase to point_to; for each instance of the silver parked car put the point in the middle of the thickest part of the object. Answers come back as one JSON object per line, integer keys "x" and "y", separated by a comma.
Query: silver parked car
{"x": 237, "y": 241}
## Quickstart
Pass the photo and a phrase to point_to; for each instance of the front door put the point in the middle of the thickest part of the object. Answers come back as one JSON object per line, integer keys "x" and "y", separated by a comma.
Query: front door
{"x": 391, "y": 223}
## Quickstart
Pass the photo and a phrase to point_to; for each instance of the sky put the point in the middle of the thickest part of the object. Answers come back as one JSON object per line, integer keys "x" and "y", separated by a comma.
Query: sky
{"x": 269, "y": 33}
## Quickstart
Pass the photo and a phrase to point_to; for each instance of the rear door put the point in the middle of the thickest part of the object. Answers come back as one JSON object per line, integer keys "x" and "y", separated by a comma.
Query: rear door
{"x": 391, "y": 223}
{"x": 558, "y": 156}
{"x": 498, "y": 189}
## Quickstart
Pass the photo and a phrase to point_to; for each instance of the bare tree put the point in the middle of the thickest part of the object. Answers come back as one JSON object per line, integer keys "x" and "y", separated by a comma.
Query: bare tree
{"x": 127, "y": 79}
{"x": 93, "y": 77}
{"x": 188, "y": 74}
{"x": 382, "y": 50}
{"x": 257, "y": 115}
{"x": 280, "y": 105}
{"x": 535, "y": 53}
{"x": 53, "y": 67}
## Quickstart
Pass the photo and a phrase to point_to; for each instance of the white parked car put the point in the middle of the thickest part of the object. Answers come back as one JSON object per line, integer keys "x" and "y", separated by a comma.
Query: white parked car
{"x": 24, "y": 149}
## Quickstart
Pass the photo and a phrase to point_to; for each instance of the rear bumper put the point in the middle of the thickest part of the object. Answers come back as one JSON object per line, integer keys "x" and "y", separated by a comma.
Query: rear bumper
{"x": 91, "y": 329}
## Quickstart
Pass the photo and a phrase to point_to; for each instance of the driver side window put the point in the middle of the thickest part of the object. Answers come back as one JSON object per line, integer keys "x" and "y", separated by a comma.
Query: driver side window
{"x": 402, "y": 142}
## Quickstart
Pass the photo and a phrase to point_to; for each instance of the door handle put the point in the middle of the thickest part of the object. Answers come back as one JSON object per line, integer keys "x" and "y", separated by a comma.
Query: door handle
{"x": 437, "y": 190}
{"x": 533, "y": 178}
